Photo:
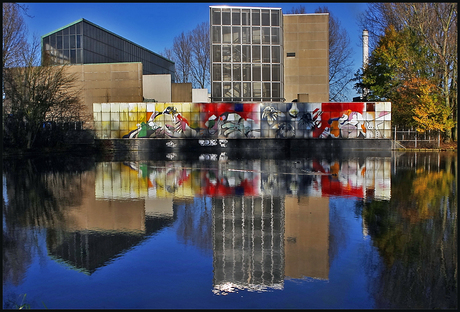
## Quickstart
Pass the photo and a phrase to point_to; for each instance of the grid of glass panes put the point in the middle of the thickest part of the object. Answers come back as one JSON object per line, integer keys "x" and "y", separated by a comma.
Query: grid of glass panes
{"x": 84, "y": 43}
{"x": 246, "y": 50}
{"x": 66, "y": 45}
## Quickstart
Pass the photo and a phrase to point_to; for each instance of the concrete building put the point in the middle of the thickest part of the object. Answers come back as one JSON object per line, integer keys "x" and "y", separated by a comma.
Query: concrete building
{"x": 259, "y": 54}
{"x": 306, "y": 57}
{"x": 83, "y": 42}
{"x": 112, "y": 82}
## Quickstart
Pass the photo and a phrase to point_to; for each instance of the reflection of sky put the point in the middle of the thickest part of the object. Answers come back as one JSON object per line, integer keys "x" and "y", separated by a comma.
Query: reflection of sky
{"x": 162, "y": 272}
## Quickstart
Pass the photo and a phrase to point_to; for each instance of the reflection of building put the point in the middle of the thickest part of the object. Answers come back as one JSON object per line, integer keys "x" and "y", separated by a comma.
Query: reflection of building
{"x": 248, "y": 243}
{"x": 306, "y": 237}
{"x": 98, "y": 231}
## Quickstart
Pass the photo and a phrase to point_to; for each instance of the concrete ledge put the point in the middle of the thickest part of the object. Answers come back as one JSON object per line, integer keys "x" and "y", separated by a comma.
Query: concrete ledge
{"x": 242, "y": 148}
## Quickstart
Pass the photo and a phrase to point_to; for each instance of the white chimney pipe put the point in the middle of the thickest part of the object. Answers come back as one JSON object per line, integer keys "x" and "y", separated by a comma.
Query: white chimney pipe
{"x": 365, "y": 47}
{"x": 365, "y": 57}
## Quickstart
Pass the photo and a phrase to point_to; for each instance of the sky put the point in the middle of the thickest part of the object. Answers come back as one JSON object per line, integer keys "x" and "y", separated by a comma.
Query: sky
{"x": 154, "y": 25}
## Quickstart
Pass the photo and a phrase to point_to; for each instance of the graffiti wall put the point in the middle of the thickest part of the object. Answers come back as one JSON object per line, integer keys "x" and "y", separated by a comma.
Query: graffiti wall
{"x": 243, "y": 120}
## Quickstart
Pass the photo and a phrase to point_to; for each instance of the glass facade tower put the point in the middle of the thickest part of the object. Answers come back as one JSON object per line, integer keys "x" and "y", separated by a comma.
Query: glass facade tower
{"x": 83, "y": 42}
{"x": 246, "y": 54}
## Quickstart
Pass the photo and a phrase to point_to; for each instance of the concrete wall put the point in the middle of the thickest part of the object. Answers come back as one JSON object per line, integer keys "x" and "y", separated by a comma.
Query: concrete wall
{"x": 200, "y": 96}
{"x": 307, "y": 73}
{"x": 114, "y": 82}
{"x": 157, "y": 87}
{"x": 181, "y": 92}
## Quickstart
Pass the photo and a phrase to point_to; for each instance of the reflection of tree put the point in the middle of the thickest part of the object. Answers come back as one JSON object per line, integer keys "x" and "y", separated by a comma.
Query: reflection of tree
{"x": 194, "y": 224}
{"x": 37, "y": 196}
{"x": 415, "y": 233}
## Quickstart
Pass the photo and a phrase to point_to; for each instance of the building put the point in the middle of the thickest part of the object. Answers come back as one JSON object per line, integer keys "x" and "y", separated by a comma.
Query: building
{"x": 83, "y": 42}
{"x": 246, "y": 54}
{"x": 259, "y": 54}
{"x": 306, "y": 57}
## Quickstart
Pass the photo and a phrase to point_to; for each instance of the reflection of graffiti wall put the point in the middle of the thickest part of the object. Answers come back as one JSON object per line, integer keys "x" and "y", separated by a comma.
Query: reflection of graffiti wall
{"x": 243, "y": 120}
{"x": 370, "y": 178}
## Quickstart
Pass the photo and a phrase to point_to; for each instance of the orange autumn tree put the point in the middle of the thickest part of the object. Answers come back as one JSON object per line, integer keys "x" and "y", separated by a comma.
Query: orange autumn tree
{"x": 420, "y": 97}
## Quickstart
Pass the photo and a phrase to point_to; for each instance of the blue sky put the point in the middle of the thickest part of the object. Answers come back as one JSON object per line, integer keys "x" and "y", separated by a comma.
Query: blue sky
{"x": 154, "y": 25}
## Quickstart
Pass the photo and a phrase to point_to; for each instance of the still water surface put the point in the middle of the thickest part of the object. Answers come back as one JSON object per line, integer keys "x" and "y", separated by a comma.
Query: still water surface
{"x": 333, "y": 232}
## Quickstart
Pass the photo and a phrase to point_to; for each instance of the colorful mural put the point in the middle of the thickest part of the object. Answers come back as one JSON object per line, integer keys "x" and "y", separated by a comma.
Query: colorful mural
{"x": 354, "y": 178}
{"x": 243, "y": 120}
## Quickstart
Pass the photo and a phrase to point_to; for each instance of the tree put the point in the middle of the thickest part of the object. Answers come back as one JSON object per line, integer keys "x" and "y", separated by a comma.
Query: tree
{"x": 34, "y": 93}
{"x": 191, "y": 54}
{"x": 436, "y": 24}
{"x": 14, "y": 35}
{"x": 399, "y": 71}
{"x": 340, "y": 61}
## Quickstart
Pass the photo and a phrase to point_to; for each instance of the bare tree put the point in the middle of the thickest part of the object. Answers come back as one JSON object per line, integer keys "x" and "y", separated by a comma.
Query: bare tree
{"x": 201, "y": 55}
{"x": 32, "y": 93}
{"x": 35, "y": 94}
{"x": 340, "y": 58}
{"x": 182, "y": 47}
{"x": 340, "y": 55}
{"x": 297, "y": 10}
{"x": 14, "y": 35}
{"x": 191, "y": 53}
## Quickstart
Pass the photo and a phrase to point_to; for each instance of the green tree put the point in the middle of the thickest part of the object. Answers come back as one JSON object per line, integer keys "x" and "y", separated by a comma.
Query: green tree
{"x": 435, "y": 24}
{"x": 400, "y": 71}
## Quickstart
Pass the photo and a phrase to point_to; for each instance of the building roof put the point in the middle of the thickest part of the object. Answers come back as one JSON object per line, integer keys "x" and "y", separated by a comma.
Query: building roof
{"x": 108, "y": 31}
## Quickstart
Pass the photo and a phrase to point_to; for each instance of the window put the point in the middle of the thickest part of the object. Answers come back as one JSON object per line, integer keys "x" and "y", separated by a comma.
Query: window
{"x": 227, "y": 72}
{"x": 256, "y": 72}
{"x": 216, "y": 16}
{"x": 216, "y": 53}
{"x": 215, "y": 34}
{"x": 246, "y": 35}
{"x": 266, "y": 35}
{"x": 216, "y": 90}
{"x": 255, "y": 17}
{"x": 236, "y": 53}
{"x": 246, "y": 53}
{"x": 246, "y": 72}
{"x": 237, "y": 91}
{"x": 236, "y": 34}
{"x": 275, "y": 18}
{"x": 236, "y": 72}
{"x": 226, "y": 53}
{"x": 291, "y": 54}
{"x": 276, "y": 55}
{"x": 226, "y": 17}
{"x": 265, "y": 17}
{"x": 266, "y": 92}
{"x": 245, "y": 17}
{"x": 226, "y": 34}
{"x": 216, "y": 72}
{"x": 236, "y": 17}
{"x": 275, "y": 36}
{"x": 265, "y": 54}
{"x": 265, "y": 72}
{"x": 256, "y": 54}
{"x": 246, "y": 90}
{"x": 256, "y": 35}
{"x": 276, "y": 73}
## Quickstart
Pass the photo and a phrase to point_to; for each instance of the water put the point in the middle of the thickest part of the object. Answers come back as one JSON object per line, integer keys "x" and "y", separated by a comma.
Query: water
{"x": 353, "y": 232}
